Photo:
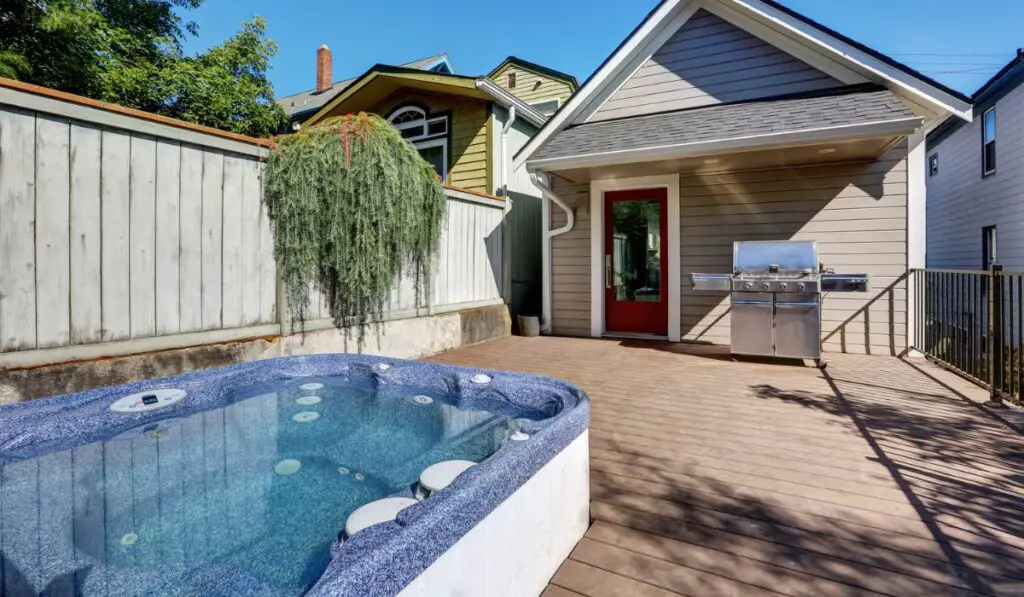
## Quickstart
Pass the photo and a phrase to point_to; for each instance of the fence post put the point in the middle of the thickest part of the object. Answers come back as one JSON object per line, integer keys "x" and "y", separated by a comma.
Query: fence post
{"x": 997, "y": 352}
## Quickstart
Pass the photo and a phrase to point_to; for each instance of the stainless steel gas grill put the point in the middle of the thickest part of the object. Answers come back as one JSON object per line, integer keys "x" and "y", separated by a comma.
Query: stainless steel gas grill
{"x": 776, "y": 291}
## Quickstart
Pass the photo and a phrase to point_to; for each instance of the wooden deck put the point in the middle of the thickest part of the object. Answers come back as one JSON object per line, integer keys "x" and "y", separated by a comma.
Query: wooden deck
{"x": 711, "y": 477}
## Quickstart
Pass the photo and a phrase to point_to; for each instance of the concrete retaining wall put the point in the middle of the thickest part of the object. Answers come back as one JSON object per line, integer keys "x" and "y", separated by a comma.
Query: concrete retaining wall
{"x": 412, "y": 337}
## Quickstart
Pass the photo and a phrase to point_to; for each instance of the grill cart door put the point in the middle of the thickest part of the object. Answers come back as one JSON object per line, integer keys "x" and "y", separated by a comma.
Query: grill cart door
{"x": 751, "y": 326}
{"x": 798, "y": 325}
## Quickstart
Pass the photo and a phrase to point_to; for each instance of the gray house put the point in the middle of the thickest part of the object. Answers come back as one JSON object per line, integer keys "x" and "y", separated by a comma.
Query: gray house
{"x": 725, "y": 120}
{"x": 975, "y": 179}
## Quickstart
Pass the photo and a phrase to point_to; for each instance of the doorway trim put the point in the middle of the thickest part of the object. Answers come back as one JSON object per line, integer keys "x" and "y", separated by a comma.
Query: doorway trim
{"x": 669, "y": 182}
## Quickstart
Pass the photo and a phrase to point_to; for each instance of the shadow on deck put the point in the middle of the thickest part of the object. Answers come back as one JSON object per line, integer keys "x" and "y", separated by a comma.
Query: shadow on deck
{"x": 713, "y": 477}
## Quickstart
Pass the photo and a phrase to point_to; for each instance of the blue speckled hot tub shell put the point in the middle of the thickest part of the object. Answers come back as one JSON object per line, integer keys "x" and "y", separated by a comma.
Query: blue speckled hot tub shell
{"x": 385, "y": 558}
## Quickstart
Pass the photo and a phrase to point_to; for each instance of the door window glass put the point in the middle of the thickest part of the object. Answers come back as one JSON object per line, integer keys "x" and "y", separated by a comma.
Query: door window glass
{"x": 636, "y": 251}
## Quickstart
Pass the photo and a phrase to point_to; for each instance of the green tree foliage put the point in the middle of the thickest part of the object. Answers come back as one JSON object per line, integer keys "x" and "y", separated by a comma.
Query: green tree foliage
{"x": 129, "y": 52}
{"x": 353, "y": 206}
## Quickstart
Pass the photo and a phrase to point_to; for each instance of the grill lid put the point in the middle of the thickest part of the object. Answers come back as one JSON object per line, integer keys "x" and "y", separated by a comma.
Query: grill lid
{"x": 775, "y": 257}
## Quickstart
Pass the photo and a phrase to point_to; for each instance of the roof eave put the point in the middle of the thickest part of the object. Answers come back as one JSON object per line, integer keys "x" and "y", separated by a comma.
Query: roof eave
{"x": 507, "y": 100}
{"x": 893, "y": 127}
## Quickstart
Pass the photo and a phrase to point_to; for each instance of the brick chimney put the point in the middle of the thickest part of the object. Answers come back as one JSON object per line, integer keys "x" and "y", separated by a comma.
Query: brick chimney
{"x": 324, "y": 69}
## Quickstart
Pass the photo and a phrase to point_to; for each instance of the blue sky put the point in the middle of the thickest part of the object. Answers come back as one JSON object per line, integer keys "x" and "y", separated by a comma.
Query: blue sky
{"x": 961, "y": 44}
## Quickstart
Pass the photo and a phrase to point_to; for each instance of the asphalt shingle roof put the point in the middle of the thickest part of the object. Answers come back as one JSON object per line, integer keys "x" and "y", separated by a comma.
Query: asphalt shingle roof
{"x": 309, "y": 100}
{"x": 788, "y": 114}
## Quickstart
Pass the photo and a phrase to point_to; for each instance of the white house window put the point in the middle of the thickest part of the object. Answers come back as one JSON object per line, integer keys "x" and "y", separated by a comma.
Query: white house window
{"x": 933, "y": 164}
{"x": 428, "y": 134}
{"x": 988, "y": 142}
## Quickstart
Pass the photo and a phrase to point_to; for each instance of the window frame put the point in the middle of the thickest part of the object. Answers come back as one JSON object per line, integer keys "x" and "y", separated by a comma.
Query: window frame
{"x": 511, "y": 80}
{"x": 424, "y": 140}
{"x": 933, "y": 165}
{"x": 989, "y": 246}
{"x": 987, "y": 169}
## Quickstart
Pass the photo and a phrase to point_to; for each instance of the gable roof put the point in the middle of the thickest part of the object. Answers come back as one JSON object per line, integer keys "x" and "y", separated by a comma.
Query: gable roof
{"x": 311, "y": 100}
{"x": 543, "y": 70}
{"x": 480, "y": 87}
{"x": 835, "y": 113}
{"x": 821, "y": 46}
{"x": 1010, "y": 77}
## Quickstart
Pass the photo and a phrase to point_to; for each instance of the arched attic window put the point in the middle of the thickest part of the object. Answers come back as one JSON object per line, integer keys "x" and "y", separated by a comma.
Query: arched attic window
{"x": 429, "y": 134}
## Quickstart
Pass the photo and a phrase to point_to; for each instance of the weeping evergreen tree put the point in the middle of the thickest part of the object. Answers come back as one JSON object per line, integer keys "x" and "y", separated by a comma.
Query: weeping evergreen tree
{"x": 353, "y": 207}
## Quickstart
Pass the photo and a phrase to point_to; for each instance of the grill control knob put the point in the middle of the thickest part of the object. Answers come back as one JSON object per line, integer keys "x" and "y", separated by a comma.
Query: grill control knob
{"x": 801, "y": 286}
{"x": 748, "y": 286}
{"x": 766, "y": 286}
{"x": 782, "y": 286}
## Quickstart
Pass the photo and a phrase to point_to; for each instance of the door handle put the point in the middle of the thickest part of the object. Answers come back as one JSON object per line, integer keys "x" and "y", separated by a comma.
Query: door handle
{"x": 608, "y": 272}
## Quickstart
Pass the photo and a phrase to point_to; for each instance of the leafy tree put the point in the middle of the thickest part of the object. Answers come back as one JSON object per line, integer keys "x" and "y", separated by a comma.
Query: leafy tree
{"x": 129, "y": 52}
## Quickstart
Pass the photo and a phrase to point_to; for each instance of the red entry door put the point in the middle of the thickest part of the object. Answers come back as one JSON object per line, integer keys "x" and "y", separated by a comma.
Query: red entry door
{"x": 636, "y": 264}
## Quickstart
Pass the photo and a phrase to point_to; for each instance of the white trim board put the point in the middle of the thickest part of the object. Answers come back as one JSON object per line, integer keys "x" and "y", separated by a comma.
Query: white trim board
{"x": 816, "y": 47}
{"x": 669, "y": 182}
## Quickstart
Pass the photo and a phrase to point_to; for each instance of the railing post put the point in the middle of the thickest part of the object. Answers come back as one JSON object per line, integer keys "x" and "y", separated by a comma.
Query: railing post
{"x": 996, "y": 353}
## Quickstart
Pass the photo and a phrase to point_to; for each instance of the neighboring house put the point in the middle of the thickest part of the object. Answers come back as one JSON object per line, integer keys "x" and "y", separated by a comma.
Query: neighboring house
{"x": 543, "y": 88}
{"x": 735, "y": 120}
{"x": 976, "y": 179}
{"x": 468, "y": 128}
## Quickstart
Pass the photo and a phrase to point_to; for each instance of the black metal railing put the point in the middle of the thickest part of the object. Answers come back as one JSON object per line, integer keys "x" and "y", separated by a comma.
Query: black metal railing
{"x": 972, "y": 321}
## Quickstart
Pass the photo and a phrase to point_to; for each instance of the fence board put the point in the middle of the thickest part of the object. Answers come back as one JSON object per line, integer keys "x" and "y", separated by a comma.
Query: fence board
{"x": 168, "y": 233}
{"x": 53, "y": 259}
{"x": 251, "y": 253}
{"x": 142, "y": 236}
{"x": 17, "y": 222}
{"x": 86, "y": 271}
{"x": 190, "y": 282}
{"x": 115, "y": 209}
{"x": 268, "y": 268}
{"x": 231, "y": 299}
{"x": 212, "y": 243}
{"x": 113, "y": 235}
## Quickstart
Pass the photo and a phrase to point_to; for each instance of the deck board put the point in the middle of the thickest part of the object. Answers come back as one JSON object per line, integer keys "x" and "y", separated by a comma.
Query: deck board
{"x": 713, "y": 477}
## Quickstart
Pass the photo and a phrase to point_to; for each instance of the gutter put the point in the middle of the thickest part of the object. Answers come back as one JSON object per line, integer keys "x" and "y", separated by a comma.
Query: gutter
{"x": 549, "y": 195}
{"x": 506, "y": 240}
{"x": 509, "y": 101}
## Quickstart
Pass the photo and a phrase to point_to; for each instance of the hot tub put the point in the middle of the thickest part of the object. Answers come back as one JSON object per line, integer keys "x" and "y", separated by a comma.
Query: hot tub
{"x": 244, "y": 485}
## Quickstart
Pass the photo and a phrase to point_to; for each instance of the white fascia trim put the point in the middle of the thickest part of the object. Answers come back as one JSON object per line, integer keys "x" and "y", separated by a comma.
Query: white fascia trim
{"x": 848, "y": 53}
{"x": 901, "y": 126}
{"x": 508, "y": 100}
{"x": 669, "y": 182}
{"x": 636, "y": 43}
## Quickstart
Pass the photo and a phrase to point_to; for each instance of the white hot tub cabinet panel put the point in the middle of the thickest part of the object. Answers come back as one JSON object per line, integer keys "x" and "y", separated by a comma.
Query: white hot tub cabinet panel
{"x": 518, "y": 547}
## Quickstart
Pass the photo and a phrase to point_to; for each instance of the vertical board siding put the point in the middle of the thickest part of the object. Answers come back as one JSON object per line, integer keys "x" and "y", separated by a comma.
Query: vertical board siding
{"x": 168, "y": 233}
{"x": 53, "y": 228}
{"x": 961, "y": 201}
{"x": 110, "y": 235}
{"x": 115, "y": 209}
{"x": 17, "y": 230}
{"x": 711, "y": 61}
{"x": 231, "y": 298}
{"x": 212, "y": 245}
{"x": 142, "y": 236}
{"x": 85, "y": 245}
{"x": 190, "y": 255}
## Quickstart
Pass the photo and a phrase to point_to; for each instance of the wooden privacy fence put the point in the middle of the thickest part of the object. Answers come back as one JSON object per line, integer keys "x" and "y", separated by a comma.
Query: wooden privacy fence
{"x": 124, "y": 233}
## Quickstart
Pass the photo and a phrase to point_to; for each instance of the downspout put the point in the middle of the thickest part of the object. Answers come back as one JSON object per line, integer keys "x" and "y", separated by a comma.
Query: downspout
{"x": 506, "y": 243}
{"x": 504, "y": 149}
{"x": 570, "y": 222}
